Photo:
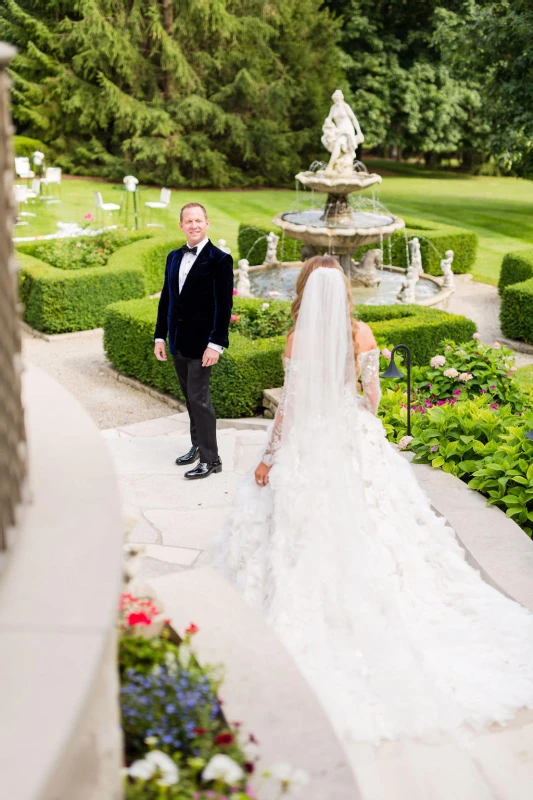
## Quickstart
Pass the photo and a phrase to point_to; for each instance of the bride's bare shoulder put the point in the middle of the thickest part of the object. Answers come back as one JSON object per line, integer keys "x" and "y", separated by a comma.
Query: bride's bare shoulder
{"x": 365, "y": 337}
{"x": 288, "y": 346}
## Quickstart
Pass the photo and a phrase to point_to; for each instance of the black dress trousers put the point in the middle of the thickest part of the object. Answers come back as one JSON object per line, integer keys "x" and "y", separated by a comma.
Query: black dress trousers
{"x": 194, "y": 383}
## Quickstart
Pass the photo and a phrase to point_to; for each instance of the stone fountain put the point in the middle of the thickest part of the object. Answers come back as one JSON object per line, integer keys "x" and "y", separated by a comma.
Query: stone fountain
{"x": 337, "y": 228}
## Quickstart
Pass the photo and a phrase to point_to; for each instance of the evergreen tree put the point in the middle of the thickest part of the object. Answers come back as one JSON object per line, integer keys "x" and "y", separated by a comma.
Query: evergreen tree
{"x": 196, "y": 92}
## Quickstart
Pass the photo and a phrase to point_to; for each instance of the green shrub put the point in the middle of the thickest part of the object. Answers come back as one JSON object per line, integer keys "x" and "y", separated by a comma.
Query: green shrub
{"x": 516, "y": 311}
{"x": 435, "y": 239}
{"x": 237, "y": 383}
{"x": 516, "y": 267}
{"x": 254, "y": 248}
{"x": 250, "y": 366}
{"x": 61, "y": 300}
{"x": 418, "y": 327}
{"x": 24, "y": 146}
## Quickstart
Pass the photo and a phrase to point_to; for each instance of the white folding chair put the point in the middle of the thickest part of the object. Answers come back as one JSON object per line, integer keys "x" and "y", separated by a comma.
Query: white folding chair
{"x": 22, "y": 168}
{"x": 52, "y": 177}
{"x": 21, "y": 196}
{"x": 161, "y": 204}
{"x": 104, "y": 207}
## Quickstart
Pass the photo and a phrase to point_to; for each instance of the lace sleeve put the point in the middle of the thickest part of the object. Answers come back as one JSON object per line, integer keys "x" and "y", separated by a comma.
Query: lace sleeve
{"x": 369, "y": 376}
{"x": 274, "y": 440}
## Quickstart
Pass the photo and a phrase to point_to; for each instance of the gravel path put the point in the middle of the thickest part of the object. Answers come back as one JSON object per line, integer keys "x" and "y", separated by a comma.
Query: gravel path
{"x": 77, "y": 361}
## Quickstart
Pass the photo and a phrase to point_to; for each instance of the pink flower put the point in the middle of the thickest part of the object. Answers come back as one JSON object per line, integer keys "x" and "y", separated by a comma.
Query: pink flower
{"x": 139, "y": 619}
{"x": 434, "y": 448}
{"x": 89, "y": 217}
{"x": 192, "y": 629}
{"x": 494, "y": 405}
{"x": 404, "y": 442}
{"x": 386, "y": 353}
{"x": 235, "y": 317}
{"x": 476, "y": 336}
{"x": 250, "y": 791}
{"x": 457, "y": 392}
{"x": 235, "y": 292}
{"x": 441, "y": 402}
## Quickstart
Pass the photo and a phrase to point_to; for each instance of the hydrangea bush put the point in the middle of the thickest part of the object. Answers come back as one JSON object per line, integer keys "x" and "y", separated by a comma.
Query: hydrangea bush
{"x": 469, "y": 418}
{"x": 83, "y": 252}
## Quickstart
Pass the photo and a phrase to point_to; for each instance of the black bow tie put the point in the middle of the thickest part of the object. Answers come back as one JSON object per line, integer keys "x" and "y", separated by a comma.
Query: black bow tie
{"x": 187, "y": 249}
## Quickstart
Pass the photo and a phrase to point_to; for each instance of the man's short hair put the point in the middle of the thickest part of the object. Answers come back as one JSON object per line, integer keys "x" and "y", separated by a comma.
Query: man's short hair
{"x": 192, "y": 205}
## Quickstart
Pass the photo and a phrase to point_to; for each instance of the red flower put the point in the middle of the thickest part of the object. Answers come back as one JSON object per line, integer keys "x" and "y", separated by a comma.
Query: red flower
{"x": 199, "y": 731}
{"x": 252, "y": 739}
{"x": 192, "y": 629}
{"x": 249, "y": 767}
{"x": 139, "y": 619}
{"x": 224, "y": 738}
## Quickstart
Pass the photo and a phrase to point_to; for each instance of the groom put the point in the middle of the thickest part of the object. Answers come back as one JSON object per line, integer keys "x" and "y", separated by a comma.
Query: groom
{"x": 195, "y": 310}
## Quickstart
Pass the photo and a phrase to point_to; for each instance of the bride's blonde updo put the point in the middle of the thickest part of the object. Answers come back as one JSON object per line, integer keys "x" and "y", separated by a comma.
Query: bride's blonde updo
{"x": 310, "y": 265}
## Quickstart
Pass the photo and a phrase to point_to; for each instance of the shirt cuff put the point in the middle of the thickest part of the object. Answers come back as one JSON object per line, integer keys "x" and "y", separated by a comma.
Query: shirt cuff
{"x": 159, "y": 340}
{"x": 216, "y": 347}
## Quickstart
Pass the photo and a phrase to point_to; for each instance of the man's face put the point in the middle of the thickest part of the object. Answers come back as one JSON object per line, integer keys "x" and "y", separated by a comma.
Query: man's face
{"x": 194, "y": 225}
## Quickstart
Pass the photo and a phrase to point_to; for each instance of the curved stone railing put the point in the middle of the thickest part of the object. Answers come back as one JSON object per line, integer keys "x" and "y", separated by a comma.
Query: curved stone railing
{"x": 59, "y": 736}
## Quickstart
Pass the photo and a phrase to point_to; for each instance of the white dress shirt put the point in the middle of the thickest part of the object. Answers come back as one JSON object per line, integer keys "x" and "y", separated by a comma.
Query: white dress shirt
{"x": 187, "y": 261}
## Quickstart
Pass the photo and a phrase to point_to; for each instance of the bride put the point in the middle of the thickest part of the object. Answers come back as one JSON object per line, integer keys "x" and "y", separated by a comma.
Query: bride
{"x": 334, "y": 543}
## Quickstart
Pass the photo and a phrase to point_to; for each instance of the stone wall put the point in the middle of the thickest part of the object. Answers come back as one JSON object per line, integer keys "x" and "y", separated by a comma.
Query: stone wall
{"x": 12, "y": 436}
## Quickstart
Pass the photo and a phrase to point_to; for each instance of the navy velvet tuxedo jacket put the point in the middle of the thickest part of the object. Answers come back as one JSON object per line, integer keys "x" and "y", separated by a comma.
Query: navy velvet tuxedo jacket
{"x": 202, "y": 312}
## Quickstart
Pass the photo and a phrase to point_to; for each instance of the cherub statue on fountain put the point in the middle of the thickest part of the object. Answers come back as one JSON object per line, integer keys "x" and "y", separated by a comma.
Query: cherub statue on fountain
{"x": 446, "y": 267}
{"x": 272, "y": 246}
{"x": 407, "y": 292}
{"x": 243, "y": 283}
{"x": 416, "y": 256}
{"x": 341, "y": 135}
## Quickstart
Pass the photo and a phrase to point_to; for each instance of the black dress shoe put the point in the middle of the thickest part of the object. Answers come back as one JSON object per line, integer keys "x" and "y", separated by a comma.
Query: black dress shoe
{"x": 203, "y": 470}
{"x": 190, "y": 457}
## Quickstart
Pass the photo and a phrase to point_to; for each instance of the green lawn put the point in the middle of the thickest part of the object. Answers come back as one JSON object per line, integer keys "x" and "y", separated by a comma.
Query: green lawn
{"x": 524, "y": 375}
{"x": 500, "y": 210}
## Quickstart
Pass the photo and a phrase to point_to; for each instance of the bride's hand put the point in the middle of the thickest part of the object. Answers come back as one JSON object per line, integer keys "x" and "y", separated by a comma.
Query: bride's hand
{"x": 261, "y": 474}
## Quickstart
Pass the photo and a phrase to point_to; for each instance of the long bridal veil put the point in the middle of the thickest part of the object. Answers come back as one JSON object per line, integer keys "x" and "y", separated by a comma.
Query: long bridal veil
{"x": 322, "y": 368}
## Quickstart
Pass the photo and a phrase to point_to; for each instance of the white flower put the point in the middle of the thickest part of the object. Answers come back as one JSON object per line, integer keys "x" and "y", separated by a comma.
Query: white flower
{"x": 404, "y": 442}
{"x": 167, "y": 768}
{"x": 155, "y": 762}
{"x": 437, "y": 361}
{"x": 448, "y": 347}
{"x": 222, "y": 768}
{"x": 184, "y": 655}
{"x": 460, "y": 352}
{"x": 141, "y": 769}
{"x": 288, "y": 777}
{"x": 450, "y": 373}
{"x": 250, "y": 750}
{"x": 464, "y": 377}
{"x": 265, "y": 306}
{"x": 497, "y": 346}
{"x": 476, "y": 336}
{"x": 151, "y": 741}
{"x": 156, "y": 670}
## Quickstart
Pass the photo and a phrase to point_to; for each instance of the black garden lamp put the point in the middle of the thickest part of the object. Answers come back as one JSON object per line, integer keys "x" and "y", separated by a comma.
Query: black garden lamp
{"x": 392, "y": 371}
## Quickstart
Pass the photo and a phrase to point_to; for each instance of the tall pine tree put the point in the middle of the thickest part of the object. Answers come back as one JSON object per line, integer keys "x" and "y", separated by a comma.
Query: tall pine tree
{"x": 195, "y": 92}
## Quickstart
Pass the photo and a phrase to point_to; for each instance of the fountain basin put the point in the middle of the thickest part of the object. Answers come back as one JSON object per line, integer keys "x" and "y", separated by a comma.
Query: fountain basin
{"x": 320, "y": 181}
{"x": 340, "y": 235}
{"x": 279, "y": 283}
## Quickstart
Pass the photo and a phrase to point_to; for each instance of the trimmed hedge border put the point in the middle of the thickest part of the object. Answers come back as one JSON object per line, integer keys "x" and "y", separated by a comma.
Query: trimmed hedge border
{"x": 249, "y": 366}
{"x": 516, "y": 267}
{"x": 59, "y": 301}
{"x": 435, "y": 239}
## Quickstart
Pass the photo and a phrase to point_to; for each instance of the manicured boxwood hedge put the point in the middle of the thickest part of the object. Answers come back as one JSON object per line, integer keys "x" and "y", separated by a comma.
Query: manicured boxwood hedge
{"x": 435, "y": 239}
{"x": 516, "y": 311}
{"x": 249, "y": 367}
{"x": 58, "y": 300}
{"x": 516, "y": 267}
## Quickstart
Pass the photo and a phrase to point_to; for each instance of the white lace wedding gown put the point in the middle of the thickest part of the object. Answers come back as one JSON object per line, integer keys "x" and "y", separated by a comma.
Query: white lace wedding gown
{"x": 344, "y": 557}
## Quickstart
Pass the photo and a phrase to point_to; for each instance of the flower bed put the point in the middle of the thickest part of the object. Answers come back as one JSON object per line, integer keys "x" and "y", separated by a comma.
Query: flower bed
{"x": 63, "y": 297}
{"x": 178, "y": 744}
{"x": 470, "y": 417}
{"x": 253, "y": 361}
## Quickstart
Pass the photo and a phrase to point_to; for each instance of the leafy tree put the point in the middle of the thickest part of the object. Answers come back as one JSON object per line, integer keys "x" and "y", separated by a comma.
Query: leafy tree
{"x": 494, "y": 41}
{"x": 408, "y": 100}
{"x": 196, "y": 92}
